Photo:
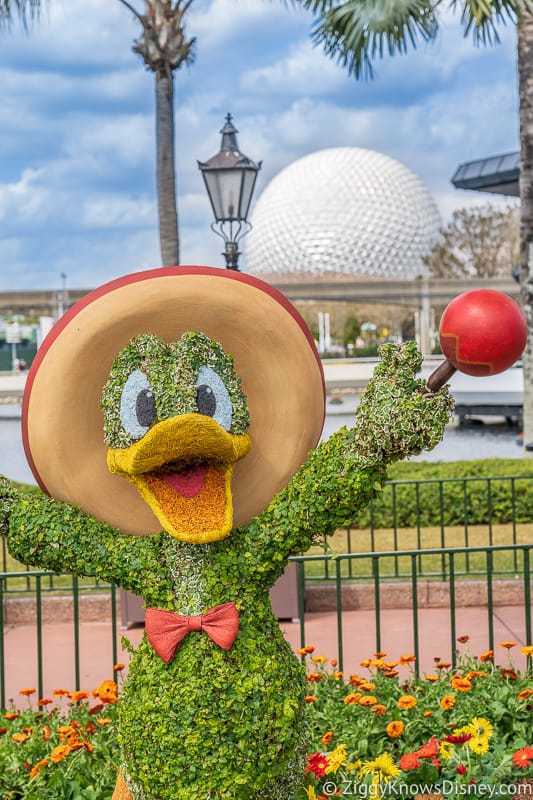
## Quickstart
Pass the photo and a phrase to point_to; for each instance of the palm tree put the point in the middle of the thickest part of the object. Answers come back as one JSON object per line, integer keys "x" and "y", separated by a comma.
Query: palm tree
{"x": 357, "y": 32}
{"x": 164, "y": 48}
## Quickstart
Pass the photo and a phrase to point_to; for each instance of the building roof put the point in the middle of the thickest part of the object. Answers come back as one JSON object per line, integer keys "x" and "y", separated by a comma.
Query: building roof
{"x": 498, "y": 174}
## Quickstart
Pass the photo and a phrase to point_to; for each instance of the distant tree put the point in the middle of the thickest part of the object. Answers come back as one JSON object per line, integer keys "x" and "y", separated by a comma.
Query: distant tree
{"x": 482, "y": 242}
{"x": 352, "y": 330}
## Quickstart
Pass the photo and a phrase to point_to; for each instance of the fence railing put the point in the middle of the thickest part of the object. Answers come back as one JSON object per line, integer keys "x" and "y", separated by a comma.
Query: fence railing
{"x": 375, "y": 589}
{"x": 416, "y": 514}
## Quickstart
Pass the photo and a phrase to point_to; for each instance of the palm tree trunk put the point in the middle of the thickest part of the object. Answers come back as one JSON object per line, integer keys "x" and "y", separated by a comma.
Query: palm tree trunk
{"x": 166, "y": 169}
{"x": 525, "y": 88}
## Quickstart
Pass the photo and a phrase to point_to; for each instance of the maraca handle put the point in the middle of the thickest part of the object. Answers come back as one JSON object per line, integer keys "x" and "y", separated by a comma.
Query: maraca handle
{"x": 440, "y": 376}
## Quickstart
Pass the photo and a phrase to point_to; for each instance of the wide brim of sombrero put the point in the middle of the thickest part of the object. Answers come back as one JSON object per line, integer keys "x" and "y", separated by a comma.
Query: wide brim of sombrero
{"x": 274, "y": 355}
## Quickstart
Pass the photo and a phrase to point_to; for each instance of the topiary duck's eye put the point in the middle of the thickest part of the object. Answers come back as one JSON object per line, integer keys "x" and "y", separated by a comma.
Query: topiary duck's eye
{"x": 137, "y": 405}
{"x": 212, "y": 397}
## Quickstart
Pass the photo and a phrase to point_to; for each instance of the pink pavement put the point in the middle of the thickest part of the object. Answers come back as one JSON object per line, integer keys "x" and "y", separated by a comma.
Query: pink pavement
{"x": 359, "y": 642}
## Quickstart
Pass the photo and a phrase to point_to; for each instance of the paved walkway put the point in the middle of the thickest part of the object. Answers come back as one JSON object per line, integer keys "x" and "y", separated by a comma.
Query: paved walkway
{"x": 359, "y": 641}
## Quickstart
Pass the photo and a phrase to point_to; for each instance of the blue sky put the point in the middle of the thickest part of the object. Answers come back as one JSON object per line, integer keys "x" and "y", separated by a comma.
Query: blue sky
{"x": 77, "y": 150}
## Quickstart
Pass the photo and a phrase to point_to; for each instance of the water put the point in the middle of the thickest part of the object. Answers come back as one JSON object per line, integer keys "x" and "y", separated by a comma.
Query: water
{"x": 494, "y": 439}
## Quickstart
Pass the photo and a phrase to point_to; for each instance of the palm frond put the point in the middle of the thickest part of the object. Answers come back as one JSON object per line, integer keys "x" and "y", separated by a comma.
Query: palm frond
{"x": 26, "y": 11}
{"x": 481, "y": 18}
{"x": 356, "y": 32}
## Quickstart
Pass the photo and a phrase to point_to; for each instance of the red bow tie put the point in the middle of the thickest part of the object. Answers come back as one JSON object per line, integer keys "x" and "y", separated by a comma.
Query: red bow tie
{"x": 166, "y": 630}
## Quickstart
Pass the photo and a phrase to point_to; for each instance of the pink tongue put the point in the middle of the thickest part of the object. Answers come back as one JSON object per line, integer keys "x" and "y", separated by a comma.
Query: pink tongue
{"x": 187, "y": 483}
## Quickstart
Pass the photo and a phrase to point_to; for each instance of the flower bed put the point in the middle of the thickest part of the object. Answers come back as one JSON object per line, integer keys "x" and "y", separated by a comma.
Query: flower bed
{"x": 381, "y": 733}
{"x": 386, "y": 732}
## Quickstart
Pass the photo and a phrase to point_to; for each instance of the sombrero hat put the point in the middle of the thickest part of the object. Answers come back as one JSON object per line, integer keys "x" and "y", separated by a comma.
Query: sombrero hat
{"x": 274, "y": 355}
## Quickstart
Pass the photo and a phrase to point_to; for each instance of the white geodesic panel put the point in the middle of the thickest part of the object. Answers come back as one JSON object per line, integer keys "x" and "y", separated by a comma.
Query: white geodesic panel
{"x": 345, "y": 210}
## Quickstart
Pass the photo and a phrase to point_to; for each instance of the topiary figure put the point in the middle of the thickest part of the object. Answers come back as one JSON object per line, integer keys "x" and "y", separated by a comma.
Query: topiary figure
{"x": 213, "y": 706}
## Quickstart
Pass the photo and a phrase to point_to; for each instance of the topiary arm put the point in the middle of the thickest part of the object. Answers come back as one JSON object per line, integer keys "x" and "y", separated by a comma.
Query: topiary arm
{"x": 46, "y": 533}
{"x": 395, "y": 418}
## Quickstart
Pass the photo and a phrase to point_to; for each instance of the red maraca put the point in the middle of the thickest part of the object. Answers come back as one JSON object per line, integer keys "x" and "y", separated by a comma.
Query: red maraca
{"x": 481, "y": 333}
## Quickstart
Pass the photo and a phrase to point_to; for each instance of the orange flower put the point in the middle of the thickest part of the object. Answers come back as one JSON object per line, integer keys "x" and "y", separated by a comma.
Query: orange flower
{"x": 334, "y": 662}
{"x": 428, "y": 713}
{"x": 355, "y": 680}
{"x": 430, "y": 749}
{"x": 379, "y": 709}
{"x": 366, "y": 686}
{"x": 368, "y": 700}
{"x": 523, "y": 695}
{"x": 447, "y": 702}
{"x": 27, "y": 692}
{"x": 107, "y": 692}
{"x": 507, "y": 645}
{"x": 78, "y": 695}
{"x": 319, "y": 659}
{"x": 313, "y": 677}
{"x": 338, "y": 675}
{"x": 463, "y": 639}
{"x": 395, "y": 729}
{"x": 35, "y": 770}
{"x": 527, "y": 650}
{"x": 392, "y": 673}
{"x": 47, "y": 732}
{"x": 407, "y": 701}
{"x": 11, "y": 715}
{"x": 379, "y": 654}
{"x": 60, "y": 692}
{"x": 407, "y": 659}
{"x": 59, "y": 753}
{"x": 44, "y": 701}
{"x": 352, "y": 698}
{"x": 522, "y": 758}
{"x": 365, "y": 662}
{"x": 20, "y": 737}
{"x": 460, "y": 684}
{"x": 432, "y": 678}
{"x": 442, "y": 665}
{"x": 488, "y": 656}
{"x": 304, "y": 651}
{"x": 119, "y": 667}
{"x": 326, "y": 739}
{"x": 310, "y": 698}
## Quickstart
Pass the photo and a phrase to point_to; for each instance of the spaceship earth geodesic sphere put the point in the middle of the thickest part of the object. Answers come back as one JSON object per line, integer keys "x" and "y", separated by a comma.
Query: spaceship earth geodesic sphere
{"x": 344, "y": 210}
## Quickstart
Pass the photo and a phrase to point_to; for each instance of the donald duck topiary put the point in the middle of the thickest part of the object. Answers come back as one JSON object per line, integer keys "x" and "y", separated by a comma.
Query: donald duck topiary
{"x": 191, "y": 400}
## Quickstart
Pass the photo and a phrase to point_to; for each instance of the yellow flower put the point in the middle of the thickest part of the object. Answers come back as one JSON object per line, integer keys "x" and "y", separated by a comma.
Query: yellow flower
{"x": 381, "y": 768}
{"x": 446, "y": 750}
{"x": 480, "y": 727}
{"x": 310, "y": 791}
{"x": 336, "y": 759}
{"x": 407, "y": 701}
{"x": 527, "y": 650}
{"x": 319, "y": 659}
{"x": 478, "y": 745}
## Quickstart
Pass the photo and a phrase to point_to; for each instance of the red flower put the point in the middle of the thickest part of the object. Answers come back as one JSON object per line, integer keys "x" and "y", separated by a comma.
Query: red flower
{"x": 458, "y": 738}
{"x": 409, "y": 761}
{"x": 461, "y": 769}
{"x": 522, "y": 758}
{"x": 429, "y": 750}
{"x": 317, "y": 763}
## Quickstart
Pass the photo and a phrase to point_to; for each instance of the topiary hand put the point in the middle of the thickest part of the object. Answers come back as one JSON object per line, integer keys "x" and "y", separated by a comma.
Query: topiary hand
{"x": 398, "y": 416}
{"x": 8, "y": 497}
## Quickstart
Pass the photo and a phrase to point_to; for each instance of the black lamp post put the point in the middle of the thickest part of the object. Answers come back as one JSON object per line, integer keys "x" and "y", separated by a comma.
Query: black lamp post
{"x": 230, "y": 179}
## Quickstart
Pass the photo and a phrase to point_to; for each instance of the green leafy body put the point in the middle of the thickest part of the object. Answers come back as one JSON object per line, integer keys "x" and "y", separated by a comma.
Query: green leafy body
{"x": 229, "y": 724}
